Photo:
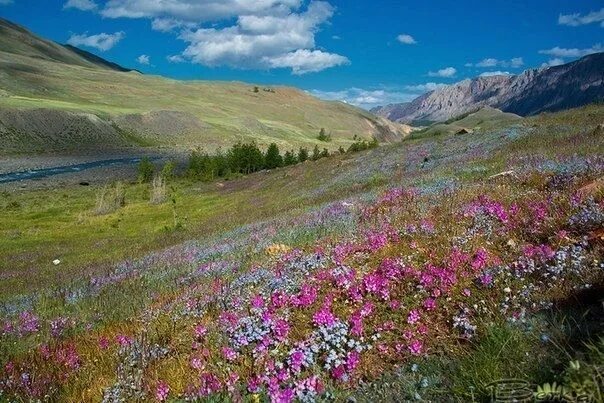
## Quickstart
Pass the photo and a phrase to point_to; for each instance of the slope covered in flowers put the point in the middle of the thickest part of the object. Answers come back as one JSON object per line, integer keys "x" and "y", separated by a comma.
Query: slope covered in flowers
{"x": 312, "y": 306}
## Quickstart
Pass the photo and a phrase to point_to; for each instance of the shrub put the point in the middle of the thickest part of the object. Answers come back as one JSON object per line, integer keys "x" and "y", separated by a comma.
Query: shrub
{"x": 316, "y": 153}
{"x": 167, "y": 172}
{"x": 110, "y": 199}
{"x": 159, "y": 193}
{"x": 145, "y": 170}
{"x": 324, "y": 136}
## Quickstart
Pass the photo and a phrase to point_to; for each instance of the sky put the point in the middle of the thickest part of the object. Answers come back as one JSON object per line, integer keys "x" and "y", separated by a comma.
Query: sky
{"x": 367, "y": 53}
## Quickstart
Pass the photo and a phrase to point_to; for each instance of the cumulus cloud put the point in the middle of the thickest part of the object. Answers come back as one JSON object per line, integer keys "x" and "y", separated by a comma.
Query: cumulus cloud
{"x": 553, "y": 62}
{"x": 575, "y": 20}
{"x": 247, "y": 34}
{"x": 175, "y": 59}
{"x": 84, "y": 5}
{"x": 304, "y": 61}
{"x": 265, "y": 42}
{"x": 170, "y": 24}
{"x": 515, "y": 62}
{"x": 573, "y": 52}
{"x": 102, "y": 42}
{"x": 495, "y": 73}
{"x": 447, "y": 72}
{"x": 406, "y": 39}
{"x": 196, "y": 10}
{"x": 144, "y": 59}
{"x": 365, "y": 98}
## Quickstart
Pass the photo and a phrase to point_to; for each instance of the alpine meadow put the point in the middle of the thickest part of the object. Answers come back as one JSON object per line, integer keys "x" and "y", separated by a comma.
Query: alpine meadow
{"x": 276, "y": 201}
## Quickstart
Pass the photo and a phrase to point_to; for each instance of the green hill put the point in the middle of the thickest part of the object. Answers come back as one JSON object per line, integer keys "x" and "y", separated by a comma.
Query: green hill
{"x": 90, "y": 103}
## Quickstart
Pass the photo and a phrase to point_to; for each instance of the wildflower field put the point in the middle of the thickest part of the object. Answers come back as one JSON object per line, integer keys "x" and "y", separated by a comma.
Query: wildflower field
{"x": 424, "y": 270}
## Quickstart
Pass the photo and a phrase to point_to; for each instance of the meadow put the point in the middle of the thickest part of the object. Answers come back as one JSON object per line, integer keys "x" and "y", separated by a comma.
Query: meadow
{"x": 422, "y": 270}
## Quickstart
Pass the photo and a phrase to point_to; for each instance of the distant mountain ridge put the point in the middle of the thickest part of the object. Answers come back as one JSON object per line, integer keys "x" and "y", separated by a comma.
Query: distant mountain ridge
{"x": 534, "y": 91}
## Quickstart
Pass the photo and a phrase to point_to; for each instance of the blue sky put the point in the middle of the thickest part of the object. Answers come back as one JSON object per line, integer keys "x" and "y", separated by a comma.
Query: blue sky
{"x": 364, "y": 52}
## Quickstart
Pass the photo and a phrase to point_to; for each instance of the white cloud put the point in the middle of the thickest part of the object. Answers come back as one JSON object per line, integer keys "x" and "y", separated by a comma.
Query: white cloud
{"x": 575, "y": 20}
{"x": 446, "y": 72}
{"x": 406, "y": 39}
{"x": 515, "y": 62}
{"x": 573, "y": 52}
{"x": 421, "y": 88}
{"x": 5, "y": 2}
{"x": 101, "y": 41}
{"x": 495, "y": 73}
{"x": 175, "y": 59}
{"x": 553, "y": 62}
{"x": 170, "y": 24}
{"x": 84, "y": 5}
{"x": 143, "y": 59}
{"x": 265, "y": 42}
{"x": 196, "y": 10}
{"x": 304, "y": 61}
{"x": 365, "y": 98}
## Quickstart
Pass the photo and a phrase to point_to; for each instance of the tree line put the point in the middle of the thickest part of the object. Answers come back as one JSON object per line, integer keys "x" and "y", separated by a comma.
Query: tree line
{"x": 245, "y": 158}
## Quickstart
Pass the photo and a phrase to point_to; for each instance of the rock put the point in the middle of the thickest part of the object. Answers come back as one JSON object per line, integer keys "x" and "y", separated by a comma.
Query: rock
{"x": 501, "y": 174}
{"x": 463, "y": 130}
{"x": 84, "y": 184}
{"x": 599, "y": 130}
{"x": 56, "y": 262}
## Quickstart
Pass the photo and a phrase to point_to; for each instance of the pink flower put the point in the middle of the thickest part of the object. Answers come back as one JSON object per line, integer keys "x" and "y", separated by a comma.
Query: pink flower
{"x": 352, "y": 360}
{"x": 416, "y": 347}
{"x": 200, "y": 331}
{"x": 257, "y": 301}
{"x": 103, "y": 343}
{"x": 278, "y": 299}
{"x": 122, "y": 340}
{"x": 430, "y": 304}
{"x": 196, "y": 363}
{"x": 413, "y": 317}
{"x": 281, "y": 329}
{"x": 229, "y": 354}
{"x": 480, "y": 259}
{"x": 338, "y": 372}
{"x": 466, "y": 292}
{"x": 161, "y": 391}
{"x": 305, "y": 297}
{"x": 253, "y": 384}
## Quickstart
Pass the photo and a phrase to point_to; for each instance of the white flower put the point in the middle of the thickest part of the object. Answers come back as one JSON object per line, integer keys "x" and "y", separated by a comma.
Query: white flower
{"x": 507, "y": 290}
{"x": 56, "y": 262}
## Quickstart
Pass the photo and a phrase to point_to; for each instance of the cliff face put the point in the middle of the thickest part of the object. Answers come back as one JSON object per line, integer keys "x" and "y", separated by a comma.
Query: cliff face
{"x": 531, "y": 92}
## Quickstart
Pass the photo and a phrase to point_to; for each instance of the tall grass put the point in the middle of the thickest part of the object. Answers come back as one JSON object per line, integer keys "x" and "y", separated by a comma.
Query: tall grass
{"x": 110, "y": 199}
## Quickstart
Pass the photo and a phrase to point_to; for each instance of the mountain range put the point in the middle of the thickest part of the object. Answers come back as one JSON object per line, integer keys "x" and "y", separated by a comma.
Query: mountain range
{"x": 57, "y": 97}
{"x": 534, "y": 91}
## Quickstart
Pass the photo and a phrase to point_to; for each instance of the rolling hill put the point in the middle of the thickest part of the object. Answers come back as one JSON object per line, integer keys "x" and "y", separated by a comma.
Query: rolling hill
{"x": 529, "y": 93}
{"x": 56, "y": 97}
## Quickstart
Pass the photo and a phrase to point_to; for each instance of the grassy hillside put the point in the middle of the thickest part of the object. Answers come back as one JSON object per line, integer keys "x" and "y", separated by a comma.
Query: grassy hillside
{"x": 141, "y": 108}
{"x": 407, "y": 249}
{"x": 482, "y": 120}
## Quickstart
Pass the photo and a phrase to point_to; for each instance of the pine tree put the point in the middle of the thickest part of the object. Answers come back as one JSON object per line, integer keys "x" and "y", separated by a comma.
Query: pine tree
{"x": 289, "y": 158}
{"x": 302, "y": 154}
{"x": 272, "y": 158}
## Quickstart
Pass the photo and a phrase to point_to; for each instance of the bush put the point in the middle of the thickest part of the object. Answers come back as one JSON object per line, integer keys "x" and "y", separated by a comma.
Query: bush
{"x": 159, "y": 193}
{"x": 316, "y": 154}
{"x": 145, "y": 170}
{"x": 167, "y": 172}
{"x": 324, "y": 136}
{"x": 110, "y": 199}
